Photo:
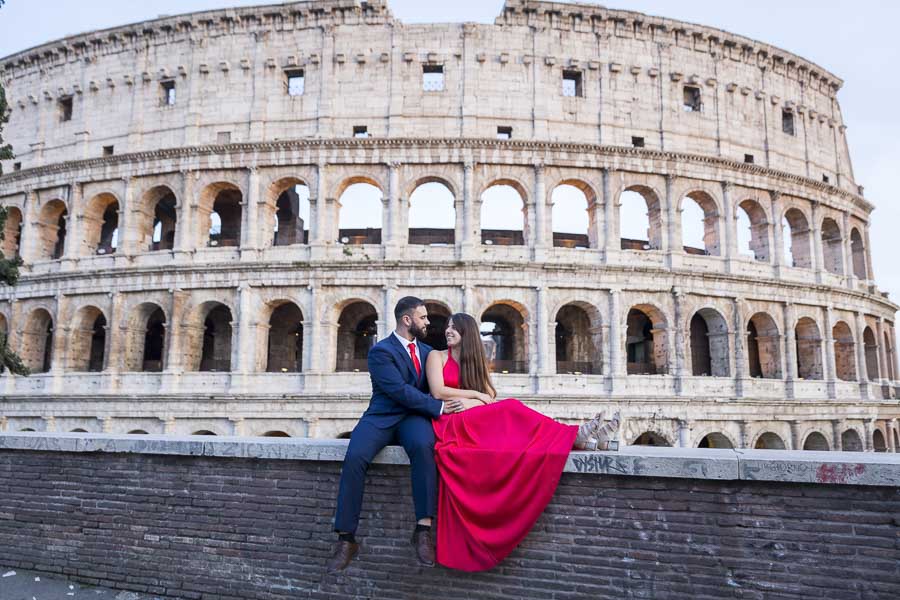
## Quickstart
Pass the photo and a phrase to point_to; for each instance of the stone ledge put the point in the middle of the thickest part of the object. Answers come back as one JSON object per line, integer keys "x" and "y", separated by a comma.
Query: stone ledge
{"x": 841, "y": 468}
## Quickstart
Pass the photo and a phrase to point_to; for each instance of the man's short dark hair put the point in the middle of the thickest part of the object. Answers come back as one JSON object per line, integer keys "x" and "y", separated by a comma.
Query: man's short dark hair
{"x": 406, "y": 305}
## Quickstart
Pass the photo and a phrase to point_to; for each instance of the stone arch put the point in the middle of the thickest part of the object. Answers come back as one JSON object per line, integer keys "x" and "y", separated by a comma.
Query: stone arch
{"x": 219, "y": 214}
{"x": 851, "y": 441}
{"x": 504, "y": 334}
{"x": 145, "y": 338}
{"x": 709, "y": 218}
{"x": 769, "y": 441}
{"x": 87, "y": 340}
{"x": 809, "y": 349}
{"x": 438, "y": 317}
{"x": 37, "y": 341}
{"x": 204, "y": 432}
{"x": 646, "y": 341}
{"x": 578, "y": 339}
{"x": 158, "y": 219}
{"x": 359, "y": 200}
{"x": 571, "y": 218}
{"x": 858, "y": 252}
{"x": 878, "y": 442}
{"x": 832, "y": 246}
{"x": 709, "y": 343}
{"x": 357, "y": 333}
{"x": 432, "y": 212}
{"x": 716, "y": 439}
{"x": 276, "y": 433}
{"x": 12, "y": 232}
{"x": 503, "y": 216}
{"x": 816, "y": 441}
{"x": 651, "y": 438}
{"x": 844, "y": 351}
{"x": 796, "y": 225}
{"x": 288, "y": 211}
{"x": 4, "y": 325}
{"x": 763, "y": 347}
{"x": 284, "y": 347}
{"x": 101, "y": 224}
{"x": 52, "y": 225}
{"x": 871, "y": 350}
{"x": 138, "y": 432}
{"x": 758, "y": 228}
{"x": 208, "y": 336}
{"x": 630, "y": 201}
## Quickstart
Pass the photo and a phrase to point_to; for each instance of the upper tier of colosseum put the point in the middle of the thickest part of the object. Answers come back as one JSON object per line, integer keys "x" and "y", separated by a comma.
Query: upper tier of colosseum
{"x": 543, "y": 72}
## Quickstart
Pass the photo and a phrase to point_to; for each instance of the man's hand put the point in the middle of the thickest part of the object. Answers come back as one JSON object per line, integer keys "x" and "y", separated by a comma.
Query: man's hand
{"x": 453, "y": 406}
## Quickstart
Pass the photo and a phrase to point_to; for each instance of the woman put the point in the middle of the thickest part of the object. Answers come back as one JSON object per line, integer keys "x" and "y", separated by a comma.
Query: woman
{"x": 499, "y": 462}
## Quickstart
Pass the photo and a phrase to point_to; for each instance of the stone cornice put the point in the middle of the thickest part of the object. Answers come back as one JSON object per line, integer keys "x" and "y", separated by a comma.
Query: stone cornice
{"x": 245, "y": 149}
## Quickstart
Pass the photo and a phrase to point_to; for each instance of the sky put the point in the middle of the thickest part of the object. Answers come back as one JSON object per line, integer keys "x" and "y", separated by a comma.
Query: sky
{"x": 855, "y": 41}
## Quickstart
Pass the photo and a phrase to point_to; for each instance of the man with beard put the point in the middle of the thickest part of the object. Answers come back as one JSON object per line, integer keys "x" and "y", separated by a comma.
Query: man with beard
{"x": 400, "y": 412}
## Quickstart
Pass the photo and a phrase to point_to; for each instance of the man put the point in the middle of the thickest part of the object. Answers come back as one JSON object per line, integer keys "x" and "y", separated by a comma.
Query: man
{"x": 400, "y": 411}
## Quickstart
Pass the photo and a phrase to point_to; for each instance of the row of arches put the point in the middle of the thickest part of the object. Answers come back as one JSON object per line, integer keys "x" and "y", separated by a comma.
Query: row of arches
{"x": 431, "y": 219}
{"x": 207, "y": 341}
{"x": 851, "y": 441}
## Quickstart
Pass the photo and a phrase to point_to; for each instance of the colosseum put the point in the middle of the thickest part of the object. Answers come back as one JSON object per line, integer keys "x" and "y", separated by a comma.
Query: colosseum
{"x": 217, "y": 212}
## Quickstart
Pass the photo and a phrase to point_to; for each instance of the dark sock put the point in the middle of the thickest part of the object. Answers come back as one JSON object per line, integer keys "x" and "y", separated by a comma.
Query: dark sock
{"x": 420, "y": 527}
{"x": 347, "y": 537}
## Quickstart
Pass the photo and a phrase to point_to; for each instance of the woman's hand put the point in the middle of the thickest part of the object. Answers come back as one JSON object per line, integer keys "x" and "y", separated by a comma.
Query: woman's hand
{"x": 471, "y": 403}
{"x": 485, "y": 398}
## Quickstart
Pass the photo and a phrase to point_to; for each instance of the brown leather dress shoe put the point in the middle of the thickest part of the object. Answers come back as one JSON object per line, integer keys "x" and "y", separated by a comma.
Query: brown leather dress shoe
{"x": 423, "y": 542}
{"x": 344, "y": 552}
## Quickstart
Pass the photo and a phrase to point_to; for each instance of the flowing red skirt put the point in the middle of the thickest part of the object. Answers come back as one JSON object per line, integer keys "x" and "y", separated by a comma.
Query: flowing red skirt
{"x": 499, "y": 466}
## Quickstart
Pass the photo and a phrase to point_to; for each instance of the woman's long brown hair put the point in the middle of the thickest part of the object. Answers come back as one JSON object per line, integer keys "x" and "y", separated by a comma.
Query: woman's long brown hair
{"x": 473, "y": 368}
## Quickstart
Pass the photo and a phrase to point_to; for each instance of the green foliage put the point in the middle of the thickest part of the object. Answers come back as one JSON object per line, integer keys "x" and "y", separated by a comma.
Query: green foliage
{"x": 6, "y": 152}
{"x": 11, "y": 361}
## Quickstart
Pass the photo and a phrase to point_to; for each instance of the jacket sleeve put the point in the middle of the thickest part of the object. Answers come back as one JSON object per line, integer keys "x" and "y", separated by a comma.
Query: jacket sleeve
{"x": 386, "y": 377}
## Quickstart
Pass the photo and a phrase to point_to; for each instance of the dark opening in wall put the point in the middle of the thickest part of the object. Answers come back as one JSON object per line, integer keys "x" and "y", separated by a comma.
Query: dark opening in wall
{"x": 109, "y": 150}
{"x": 65, "y": 108}
{"x": 360, "y": 131}
{"x": 637, "y": 142}
{"x": 17, "y": 166}
{"x": 692, "y": 101}
{"x": 168, "y": 92}
{"x": 433, "y": 78}
{"x": 572, "y": 84}
{"x": 748, "y": 158}
{"x": 787, "y": 122}
{"x": 296, "y": 82}
{"x": 504, "y": 133}
{"x": 825, "y": 178}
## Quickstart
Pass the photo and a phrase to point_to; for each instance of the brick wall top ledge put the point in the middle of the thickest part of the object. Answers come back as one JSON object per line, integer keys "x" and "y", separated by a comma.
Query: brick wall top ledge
{"x": 842, "y": 468}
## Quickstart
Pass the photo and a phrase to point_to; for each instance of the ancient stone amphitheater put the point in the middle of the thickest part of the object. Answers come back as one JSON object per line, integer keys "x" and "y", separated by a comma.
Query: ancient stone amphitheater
{"x": 190, "y": 197}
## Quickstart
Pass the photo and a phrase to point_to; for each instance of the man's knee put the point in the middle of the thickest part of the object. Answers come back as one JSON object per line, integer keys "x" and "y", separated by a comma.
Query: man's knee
{"x": 420, "y": 448}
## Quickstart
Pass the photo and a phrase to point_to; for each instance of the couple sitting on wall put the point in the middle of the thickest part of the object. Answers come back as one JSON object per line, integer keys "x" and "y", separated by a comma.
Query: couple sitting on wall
{"x": 499, "y": 461}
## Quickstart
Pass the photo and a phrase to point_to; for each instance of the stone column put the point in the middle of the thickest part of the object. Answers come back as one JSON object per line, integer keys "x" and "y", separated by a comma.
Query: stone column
{"x": 387, "y": 323}
{"x": 869, "y": 431}
{"x": 848, "y": 251}
{"x": 391, "y": 218}
{"x": 543, "y": 324}
{"x": 471, "y": 233}
{"x": 836, "y": 441}
{"x": 244, "y": 352}
{"x": 28, "y": 242}
{"x": 185, "y": 236}
{"x": 128, "y": 213}
{"x": 672, "y": 238}
{"x": 610, "y": 218}
{"x": 317, "y": 208}
{"x": 174, "y": 359}
{"x": 542, "y": 236}
{"x": 870, "y": 273}
{"x": 818, "y": 254}
{"x": 740, "y": 367}
{"x": 795, "y": 435}
{"x": 61, "y": 322}
{"x": 312, "y": 340}
{"x": 790, "y": 350}
{"x": 684, "y": 434}
{"x": 778, "y": 233}
{"x": 830, "y": 366}
{"x": 74, "y": 216}
{"x": 730, "y": 246}
{"x": 884, "y": 372}
{"x": 745, "y": 433}
{"x": 115, "y": 343}
{"x": 891, "y": 427}
{"x": 468, "y": 300}
{"x": 615, "y": 340}
{"x": 679, "y": 340}
{"x": 250, "y": 231}
{"x": 862, "y": 374}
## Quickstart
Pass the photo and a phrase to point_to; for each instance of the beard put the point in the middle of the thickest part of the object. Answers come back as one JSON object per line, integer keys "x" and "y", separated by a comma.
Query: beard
{"x": 420, "y": 333}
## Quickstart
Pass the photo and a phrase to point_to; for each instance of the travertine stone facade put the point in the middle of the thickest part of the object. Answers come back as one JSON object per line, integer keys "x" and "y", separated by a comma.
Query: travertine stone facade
{"x": 153, "y": 161}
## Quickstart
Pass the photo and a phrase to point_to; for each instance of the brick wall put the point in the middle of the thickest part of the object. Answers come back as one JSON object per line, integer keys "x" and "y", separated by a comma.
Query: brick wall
{"x": 238, "y": 528}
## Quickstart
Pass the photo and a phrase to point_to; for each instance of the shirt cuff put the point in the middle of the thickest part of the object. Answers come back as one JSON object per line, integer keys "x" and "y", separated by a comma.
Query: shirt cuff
{"x": 441, "y": 412}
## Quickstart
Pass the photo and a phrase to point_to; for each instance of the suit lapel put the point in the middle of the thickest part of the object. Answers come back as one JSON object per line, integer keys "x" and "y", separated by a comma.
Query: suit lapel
{"x": 404, "y": 353}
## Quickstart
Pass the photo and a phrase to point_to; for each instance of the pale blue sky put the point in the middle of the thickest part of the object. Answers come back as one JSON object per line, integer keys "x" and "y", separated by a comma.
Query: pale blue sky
{"x": 855, "y": 41}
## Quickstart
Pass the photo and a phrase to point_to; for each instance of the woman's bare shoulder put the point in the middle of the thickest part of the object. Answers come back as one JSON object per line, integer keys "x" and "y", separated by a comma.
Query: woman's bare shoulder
{"x": 439, "y": 355}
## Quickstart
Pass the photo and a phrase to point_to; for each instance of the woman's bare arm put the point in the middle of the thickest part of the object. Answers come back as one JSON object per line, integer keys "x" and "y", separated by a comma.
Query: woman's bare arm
{"x": 434, "y": 371}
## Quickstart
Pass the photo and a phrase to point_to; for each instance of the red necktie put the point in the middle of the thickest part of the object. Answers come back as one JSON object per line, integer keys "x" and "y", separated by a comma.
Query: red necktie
{"x": 412, "y": 352}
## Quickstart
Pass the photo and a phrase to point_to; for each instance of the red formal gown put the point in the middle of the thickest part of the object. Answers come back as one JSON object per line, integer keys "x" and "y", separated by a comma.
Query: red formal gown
{"x": 498, "y": 466}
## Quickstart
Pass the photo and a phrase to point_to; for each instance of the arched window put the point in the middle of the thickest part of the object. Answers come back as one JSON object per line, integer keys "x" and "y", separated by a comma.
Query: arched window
{"x": 145, "y": 338}
{"x": 769, "y": 441}
{"x": 285, "y": 351}
{"x": 809, "y": 349}
{"x": 715, "y": 440}
{"x": 570, "y": 218}
{"x": 640, "y": 219}
{"x": 502, "y": 216}
{"x": 12, "y": 233}
{"x": 700, "y": 224}
{"x": 798, "y": 252}
{"x": 37, "y": 341}
{"x": 357, "y": 333}
{"x": 651, "y": 438}
{"x": 137, "y": 432}
{"x": 504, "y": 338}
{"x": 763, "y": 347}
{"x": 101, "y": 224}
{"x": 858, "y": 248}
{"x": 645, "y": 341}
{"x": 753, "y": 231}
{"x": 292, "y": 209}
{"x": 52, "y": 227}
{"x": 280, "y": 434}
{"x": 709, "y": 344}
{"x": 360, "y": 214}
{"x": 215, "y": 354}
{"x": 851, "y": 442}
{"x": 438, "y": 316}
{"x": 578, "y": 340}
{"x": 844, "y": 351}
{"x": 203, "y": 432}
{"x": 87, "y": 345}
{"x": 225, "y": 218}
{"x": 873, "y": 371}
{"x": 816, "y": 441}
{"x": 878, "y": 442}
{"x": 432, "y": 215}
{"x": 889, "y": 355}
{"x": 832, "y": 246}
{"x": 162, "y": 234}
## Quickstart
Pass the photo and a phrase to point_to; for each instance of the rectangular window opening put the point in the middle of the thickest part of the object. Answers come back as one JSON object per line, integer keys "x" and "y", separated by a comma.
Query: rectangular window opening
{"x": 825, "y": 178}
{"x": 109, "y": 150}
{"x": 692, "y": 101}
{"x": 433, "y": 78}
{"x": 360, "y": 131}
{"x": 223, "y": 137}
{"x": 65, "y": 108}
{"x": 17, "y": 166}
{"x": 748, "y": 158}
{"x": 571, "y": 84}
{"x": 296, "y": 82}
{"x": 504, "y": 133}
{"x": 168, "y": 92}
{"x": 787, "y": 122}
{"x": 637, "y": 142}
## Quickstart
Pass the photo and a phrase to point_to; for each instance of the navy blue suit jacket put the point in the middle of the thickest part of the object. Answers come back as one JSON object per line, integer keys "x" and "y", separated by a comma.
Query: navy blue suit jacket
{"x": 396, "y": 389}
